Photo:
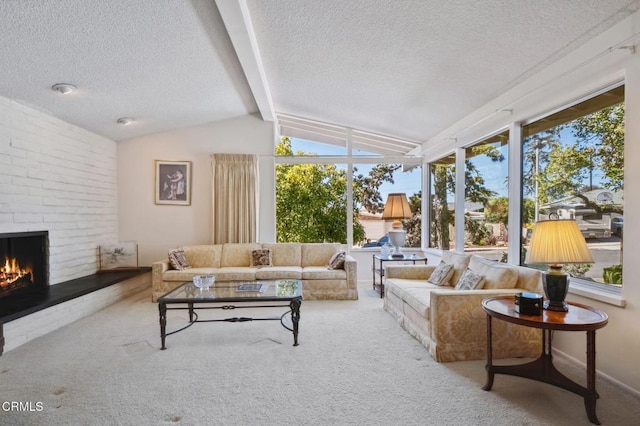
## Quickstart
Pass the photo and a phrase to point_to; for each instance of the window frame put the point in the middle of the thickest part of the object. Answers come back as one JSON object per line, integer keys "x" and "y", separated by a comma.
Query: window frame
{"x": 602, "y": 292}
{"x": 349, "y": 160}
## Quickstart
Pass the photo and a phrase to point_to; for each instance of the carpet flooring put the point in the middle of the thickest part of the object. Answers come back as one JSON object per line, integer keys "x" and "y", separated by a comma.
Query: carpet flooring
{"x": 354, "y": 366}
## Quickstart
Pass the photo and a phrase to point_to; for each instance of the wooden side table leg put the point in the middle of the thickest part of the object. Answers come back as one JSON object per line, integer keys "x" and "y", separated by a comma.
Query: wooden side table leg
{"x": 489, "y": 366}
{"x": 591, "y": 395}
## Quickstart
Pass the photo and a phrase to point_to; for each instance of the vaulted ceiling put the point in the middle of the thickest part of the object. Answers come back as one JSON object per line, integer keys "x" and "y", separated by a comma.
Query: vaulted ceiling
{"x": 405, "y": 69}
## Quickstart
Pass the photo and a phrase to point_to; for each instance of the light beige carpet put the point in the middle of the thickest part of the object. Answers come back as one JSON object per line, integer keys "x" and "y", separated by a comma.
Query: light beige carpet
{"x": 354, "y": 366}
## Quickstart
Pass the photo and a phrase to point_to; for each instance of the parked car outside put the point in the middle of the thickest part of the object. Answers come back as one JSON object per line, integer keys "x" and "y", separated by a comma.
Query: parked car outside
{"x": 617, "y": 223}
{"x": 379, "y": 243}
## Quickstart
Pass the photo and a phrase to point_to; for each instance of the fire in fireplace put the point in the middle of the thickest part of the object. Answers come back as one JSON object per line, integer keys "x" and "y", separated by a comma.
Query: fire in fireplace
{"x": 13, "y": 277}
{"x": 24, "y": 263}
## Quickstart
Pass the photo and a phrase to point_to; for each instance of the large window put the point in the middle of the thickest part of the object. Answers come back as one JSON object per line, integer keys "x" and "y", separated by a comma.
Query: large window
{"x": 311, "y": 202}
{"x": 314, "y": 203}
{"x": 372, "y": 183}
{"x": 486, "y": 208}
{"x": 573, "y": 168}
{"x": 442, "y": 205}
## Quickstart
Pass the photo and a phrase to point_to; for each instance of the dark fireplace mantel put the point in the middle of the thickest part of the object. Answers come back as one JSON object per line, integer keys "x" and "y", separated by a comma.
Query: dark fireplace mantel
{"x": 68, "y": 290}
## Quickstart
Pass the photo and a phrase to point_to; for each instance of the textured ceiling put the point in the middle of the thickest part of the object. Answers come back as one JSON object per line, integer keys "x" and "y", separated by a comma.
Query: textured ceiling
{"x": 406, "y": 69}
{"x": 412, "y": 68}
{"x": 166, "y": 63}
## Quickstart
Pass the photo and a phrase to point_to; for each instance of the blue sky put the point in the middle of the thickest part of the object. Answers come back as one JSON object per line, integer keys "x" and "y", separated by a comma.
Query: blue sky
{"x": 494, "y": 173}
{"x": 407, "y": 182}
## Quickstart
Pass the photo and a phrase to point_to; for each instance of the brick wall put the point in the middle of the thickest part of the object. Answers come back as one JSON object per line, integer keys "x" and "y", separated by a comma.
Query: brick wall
{"x": 57, "y": 177}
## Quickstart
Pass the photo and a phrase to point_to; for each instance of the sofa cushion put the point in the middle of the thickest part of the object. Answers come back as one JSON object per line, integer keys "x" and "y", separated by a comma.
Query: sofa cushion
{"x": 187, "y": 274}
{"x": 260, "y": 258}
{"x": 318, "y": 254}
{"x": 419, "y": 298}
{"x": 442, "y": 274}
{"x": 459, "y": 262}
{"x": 279, "y": 272}
{"x": 203, "y": 256}
{"x": 402, "y": 284}
{"x": 238, "y": 254}
{"x": 337, "y": 260}
{"x": 322, "y": 273}
{"x": 178, "y": 259}
{"x": 470, "y": 281}
{"x": 529, "y": 279}
{"x": 284, "y": 254}
{"x": 496, "y": 274}
{"x": 237, "y": 273}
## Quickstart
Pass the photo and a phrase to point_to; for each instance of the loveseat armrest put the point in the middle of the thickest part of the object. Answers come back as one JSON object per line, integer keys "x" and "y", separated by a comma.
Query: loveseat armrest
{"x": 161, "y": 266}
{"x": 409, "y": 272}
{"x": 458, "y": 327}
{"x": 351, "y": 268}
{"x": 157, "y": 269}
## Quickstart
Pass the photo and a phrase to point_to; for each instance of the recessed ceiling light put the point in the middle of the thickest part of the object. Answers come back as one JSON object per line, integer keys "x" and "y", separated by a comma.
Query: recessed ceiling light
{"x": 125, "y": 121}
{"x": 64, "y": 88}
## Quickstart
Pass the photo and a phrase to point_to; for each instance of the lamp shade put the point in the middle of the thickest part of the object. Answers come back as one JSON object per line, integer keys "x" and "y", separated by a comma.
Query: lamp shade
{"x": 557, "y": 242}
{"x": 397, "y": 207}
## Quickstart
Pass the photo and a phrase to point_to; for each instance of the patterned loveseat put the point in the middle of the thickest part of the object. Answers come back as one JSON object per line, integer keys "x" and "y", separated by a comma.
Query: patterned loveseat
{"x": 232, "y": 262}
{"x": 451, "y": 323}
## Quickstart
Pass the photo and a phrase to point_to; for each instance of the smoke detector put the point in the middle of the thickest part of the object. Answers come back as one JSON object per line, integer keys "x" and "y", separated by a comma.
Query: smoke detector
{"x": 63, "y": 88}
{"x": 125, "y": 121}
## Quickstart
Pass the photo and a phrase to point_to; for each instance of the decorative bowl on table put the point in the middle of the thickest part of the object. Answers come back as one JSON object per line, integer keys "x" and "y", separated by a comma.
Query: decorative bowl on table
{"x": 204, "y": 281}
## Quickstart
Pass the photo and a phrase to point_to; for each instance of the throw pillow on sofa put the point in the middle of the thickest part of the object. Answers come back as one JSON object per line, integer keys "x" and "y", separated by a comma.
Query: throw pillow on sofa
{"x": 470, "y": 281}
{"x": 261, "y": 258}
{"x": 178, "y": 260}
{"x": 337, "y": 260}
{"x": 442, "y": 274}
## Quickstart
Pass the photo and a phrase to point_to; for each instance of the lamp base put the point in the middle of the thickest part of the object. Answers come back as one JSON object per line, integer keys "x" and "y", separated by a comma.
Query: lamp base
{"x": 556, "y": 306}
{"x": 556, "y": 286}
{"x": 397, "y": 237}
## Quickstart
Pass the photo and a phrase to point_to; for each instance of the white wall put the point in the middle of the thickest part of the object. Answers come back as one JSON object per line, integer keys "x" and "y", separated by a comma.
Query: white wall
{"x": 60, "y": 178}
{"x": 587, "y": 69}
{"x": 158, "y": 228}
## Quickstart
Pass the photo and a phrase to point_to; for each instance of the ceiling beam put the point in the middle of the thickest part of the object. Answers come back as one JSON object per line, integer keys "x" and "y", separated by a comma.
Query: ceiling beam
{"x": 237, "y": 20}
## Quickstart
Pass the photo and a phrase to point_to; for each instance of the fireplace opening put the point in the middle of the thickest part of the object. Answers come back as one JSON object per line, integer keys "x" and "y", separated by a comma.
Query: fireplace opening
{"x": 24, "y": 263}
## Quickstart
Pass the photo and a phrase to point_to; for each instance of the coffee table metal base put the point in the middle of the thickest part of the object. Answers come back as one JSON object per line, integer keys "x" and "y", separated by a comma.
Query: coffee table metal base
{"x": 293, "y": 313}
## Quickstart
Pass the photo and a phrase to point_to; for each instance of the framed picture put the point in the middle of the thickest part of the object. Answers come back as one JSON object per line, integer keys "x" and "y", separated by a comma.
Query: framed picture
{"x": 118, "y": 256}
{"x": 173, "y": 182}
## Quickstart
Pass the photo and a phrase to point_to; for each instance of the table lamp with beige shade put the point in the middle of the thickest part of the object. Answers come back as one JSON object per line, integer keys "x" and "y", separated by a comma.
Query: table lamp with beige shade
{"x": 397, "y": 208}
{"x": 555, "y": 243}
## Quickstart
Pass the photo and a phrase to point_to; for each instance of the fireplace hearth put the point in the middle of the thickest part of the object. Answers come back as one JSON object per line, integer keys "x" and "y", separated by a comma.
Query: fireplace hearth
{"x": 24, "y": 266}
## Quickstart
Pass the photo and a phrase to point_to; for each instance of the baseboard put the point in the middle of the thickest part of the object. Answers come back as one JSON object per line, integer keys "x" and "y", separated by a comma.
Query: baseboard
{"x": 599, "y": 374}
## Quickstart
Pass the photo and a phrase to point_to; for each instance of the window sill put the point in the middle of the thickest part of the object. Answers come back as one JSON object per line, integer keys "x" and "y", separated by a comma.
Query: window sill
{"x": 591, "y": 292}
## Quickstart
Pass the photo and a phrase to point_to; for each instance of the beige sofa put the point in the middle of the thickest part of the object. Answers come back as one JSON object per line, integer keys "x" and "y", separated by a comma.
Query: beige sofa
{"x": 232, "y": 262}
{"x": 451, "y": 323}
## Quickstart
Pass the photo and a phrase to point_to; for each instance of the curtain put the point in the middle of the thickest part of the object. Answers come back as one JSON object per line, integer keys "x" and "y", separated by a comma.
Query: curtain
{"x": 235, "y": 195}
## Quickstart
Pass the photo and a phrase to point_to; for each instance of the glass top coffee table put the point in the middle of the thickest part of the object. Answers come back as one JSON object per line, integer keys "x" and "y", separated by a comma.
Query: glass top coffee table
{"x": 234, "y": 295}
